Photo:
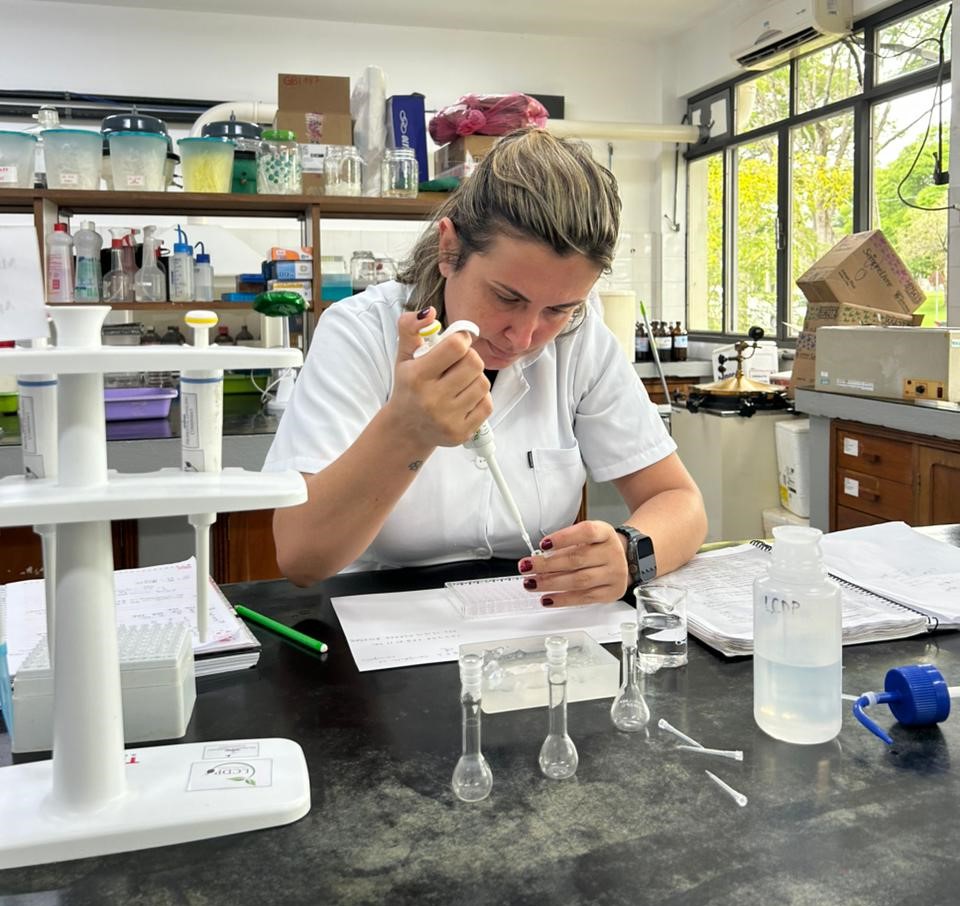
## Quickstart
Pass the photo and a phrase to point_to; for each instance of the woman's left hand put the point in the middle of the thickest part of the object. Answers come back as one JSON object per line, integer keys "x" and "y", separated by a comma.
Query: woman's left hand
{"x": 584, "y": 563}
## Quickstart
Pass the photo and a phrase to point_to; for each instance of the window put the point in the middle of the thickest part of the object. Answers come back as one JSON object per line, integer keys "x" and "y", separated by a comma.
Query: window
{"x": 838, "y": 141}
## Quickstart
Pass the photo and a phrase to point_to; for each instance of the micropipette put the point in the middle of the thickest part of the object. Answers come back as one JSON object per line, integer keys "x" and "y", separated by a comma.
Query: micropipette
{"x": 482, "y": 440}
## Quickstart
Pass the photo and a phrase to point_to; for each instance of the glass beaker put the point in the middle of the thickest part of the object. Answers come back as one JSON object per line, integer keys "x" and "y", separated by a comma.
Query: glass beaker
{"x": 278, "y": 164}
{"x": 399, "y": 175}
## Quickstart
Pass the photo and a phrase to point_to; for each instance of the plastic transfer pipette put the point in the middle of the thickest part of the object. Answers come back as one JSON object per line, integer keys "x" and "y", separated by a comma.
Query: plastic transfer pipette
{"x": 482, "y": 441}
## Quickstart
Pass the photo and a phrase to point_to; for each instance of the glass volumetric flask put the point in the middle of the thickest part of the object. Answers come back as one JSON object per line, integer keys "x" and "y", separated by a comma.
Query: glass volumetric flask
{"x": 558, "y": 754}
{"x": 472, "y": 778}
{"x": 629, "y": 711}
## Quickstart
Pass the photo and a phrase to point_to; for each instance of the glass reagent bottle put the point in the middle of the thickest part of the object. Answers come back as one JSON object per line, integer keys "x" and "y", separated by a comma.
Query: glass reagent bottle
{"x": 797, "y": 642}
{"x": 472, "y": 778}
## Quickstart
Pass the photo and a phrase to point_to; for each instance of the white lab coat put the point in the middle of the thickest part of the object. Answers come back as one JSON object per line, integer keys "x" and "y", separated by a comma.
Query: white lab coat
{"x": 575, "y": 407}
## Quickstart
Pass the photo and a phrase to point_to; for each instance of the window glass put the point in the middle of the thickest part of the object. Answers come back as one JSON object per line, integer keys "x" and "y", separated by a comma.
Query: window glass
{"x": 912, "y": 43}
{"x": 821, "y": 195}
{"x": 705, "y": 244}
{"x": 904, "y": 138}
{"x": 832, "y": 74}
{"x": 763, "y": 100}
{"x": 755, "y": 236}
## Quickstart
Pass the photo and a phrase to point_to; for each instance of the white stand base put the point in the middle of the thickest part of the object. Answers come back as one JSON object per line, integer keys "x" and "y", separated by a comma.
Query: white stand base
{"x": 278, "y": 402}
{"x": 173, "y": 794}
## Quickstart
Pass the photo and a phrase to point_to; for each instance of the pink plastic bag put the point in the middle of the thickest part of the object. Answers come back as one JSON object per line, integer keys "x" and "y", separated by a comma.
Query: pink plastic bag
{"x": 487, "y": 114}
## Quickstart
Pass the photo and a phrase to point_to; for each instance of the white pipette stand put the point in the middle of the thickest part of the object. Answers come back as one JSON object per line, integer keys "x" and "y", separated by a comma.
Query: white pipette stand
{"x": 93, "y": 797}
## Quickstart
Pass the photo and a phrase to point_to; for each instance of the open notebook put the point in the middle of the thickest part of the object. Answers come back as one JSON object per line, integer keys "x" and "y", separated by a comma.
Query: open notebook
{"x": 145, "y": 596}
{"x": 895, "y": 582}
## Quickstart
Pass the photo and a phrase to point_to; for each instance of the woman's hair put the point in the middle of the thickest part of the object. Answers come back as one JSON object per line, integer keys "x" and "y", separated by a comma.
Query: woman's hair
{"x": 530, "y": 185}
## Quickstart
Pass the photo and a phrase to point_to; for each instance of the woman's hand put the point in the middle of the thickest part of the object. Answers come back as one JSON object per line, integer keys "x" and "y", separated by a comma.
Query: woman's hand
{"x": 440, "y": 398}
{"x": 584, "y": 563}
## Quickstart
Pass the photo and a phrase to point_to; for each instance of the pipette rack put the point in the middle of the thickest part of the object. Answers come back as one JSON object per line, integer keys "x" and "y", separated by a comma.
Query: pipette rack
{"x": 93, "y": 797}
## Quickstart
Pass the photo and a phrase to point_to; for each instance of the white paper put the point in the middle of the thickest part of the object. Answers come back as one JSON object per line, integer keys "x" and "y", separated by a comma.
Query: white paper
{"x": 423, "y": 627}
{"x": 22, "y": 313}
{"x": 900, "y": 563}
{"x": 148, "y": 596}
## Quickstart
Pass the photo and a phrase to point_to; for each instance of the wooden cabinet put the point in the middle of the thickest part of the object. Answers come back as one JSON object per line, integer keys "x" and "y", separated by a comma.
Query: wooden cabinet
{"x": 878, "y": 474}
{"x": 242, "y": 547}
{"x": 675, "y": 385}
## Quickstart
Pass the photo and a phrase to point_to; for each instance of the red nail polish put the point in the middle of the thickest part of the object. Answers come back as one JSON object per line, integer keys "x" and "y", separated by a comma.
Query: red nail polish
{"x": 530, "y": 584}
{"x": 423, "y": 313}
{"x": 526, "y": 566}
{"x": 546, "y": 545}
{"x": 547, "y": 602}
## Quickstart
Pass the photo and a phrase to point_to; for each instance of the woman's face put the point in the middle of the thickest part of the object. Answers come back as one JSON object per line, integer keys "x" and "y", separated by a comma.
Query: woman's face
{"x": 520, "y": 293}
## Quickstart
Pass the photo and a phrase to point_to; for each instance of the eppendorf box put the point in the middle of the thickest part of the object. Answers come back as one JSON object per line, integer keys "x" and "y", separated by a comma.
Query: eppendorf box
{"x": 899, "y": 363}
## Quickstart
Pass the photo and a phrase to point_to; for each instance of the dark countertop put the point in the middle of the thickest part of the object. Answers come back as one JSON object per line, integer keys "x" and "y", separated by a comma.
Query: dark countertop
{"x": 851, "y": 822}
{"x": 243, "y": 415}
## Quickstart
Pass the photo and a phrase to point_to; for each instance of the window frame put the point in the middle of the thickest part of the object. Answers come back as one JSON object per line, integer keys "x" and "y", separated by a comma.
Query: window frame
{"x": 861, "y": 104}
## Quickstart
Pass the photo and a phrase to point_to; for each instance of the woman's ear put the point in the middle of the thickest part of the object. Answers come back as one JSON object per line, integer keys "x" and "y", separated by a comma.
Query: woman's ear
{"x": 449, "y": 246}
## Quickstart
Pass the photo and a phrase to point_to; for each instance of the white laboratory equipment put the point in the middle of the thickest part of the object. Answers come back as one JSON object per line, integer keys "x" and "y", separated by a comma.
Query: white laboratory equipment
{"x": 93, "y": 797}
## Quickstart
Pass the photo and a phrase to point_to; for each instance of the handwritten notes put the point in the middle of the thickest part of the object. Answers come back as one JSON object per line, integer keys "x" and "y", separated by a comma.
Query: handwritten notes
{"x": 22, "y": 315}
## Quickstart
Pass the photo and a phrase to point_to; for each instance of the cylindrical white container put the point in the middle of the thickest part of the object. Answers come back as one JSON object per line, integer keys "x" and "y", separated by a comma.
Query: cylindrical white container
{"x": 17, "y": 159}
{"x": 137, "y": 161}
{"x": 74, "y": 158}
{"x": 797, "y": 642}
{"x": 181, "y": 273}
{"x": 59, "y": 264}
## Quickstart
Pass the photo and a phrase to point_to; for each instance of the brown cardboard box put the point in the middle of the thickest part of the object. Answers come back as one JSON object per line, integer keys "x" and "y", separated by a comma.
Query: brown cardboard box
{"x": 461, "y": 150}
{"x": 863, "y": 269}
{"x": 315, "y": 108}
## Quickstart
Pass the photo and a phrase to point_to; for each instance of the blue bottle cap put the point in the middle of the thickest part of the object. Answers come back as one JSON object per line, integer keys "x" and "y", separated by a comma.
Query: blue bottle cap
{"x": 921, "y": 696}
{"x": 203, "y": 258}
{"x": 181, "y": 248}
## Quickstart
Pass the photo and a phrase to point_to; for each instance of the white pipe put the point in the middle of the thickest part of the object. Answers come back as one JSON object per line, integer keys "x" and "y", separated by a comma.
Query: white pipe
{"x": 246, "y": 111}
{"x": 636, "y": 132}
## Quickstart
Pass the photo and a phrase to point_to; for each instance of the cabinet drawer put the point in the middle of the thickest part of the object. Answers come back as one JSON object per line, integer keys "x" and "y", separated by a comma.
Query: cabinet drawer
{"x": 877, "y": 496}
{"x": 847, "y": 518}
{"x": 878, "y": 456}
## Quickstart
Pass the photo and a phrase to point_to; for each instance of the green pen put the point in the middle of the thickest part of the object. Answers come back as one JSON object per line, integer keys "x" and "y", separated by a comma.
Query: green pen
{"x": 280, "y": 629}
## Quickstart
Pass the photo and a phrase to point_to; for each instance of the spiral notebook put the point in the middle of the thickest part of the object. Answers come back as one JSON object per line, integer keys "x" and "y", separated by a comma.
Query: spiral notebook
{"x": 875, "y": 605}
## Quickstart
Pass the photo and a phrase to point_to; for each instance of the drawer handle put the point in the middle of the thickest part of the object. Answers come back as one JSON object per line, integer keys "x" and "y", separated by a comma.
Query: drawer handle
{"x": 870, "y": 457}
{"x": 869, "y": 495}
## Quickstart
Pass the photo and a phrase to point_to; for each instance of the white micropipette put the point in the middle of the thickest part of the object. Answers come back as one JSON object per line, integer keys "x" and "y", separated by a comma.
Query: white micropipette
{"x": 482, "y": 441}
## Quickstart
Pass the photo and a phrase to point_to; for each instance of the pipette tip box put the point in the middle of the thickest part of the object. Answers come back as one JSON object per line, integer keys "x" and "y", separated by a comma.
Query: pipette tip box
{"x": 515, "y": 671}
{"x": 156, "y": 684}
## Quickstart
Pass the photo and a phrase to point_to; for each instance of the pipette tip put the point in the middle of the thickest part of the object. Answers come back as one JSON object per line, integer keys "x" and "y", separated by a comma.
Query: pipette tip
{"x": 737, "y": 797}
{"x": 735, "y": 754}
{"x": 663, "y": 725}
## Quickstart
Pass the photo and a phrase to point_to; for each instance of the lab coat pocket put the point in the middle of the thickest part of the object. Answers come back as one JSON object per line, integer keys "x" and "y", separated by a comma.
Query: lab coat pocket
{"x": 560, "y": 475}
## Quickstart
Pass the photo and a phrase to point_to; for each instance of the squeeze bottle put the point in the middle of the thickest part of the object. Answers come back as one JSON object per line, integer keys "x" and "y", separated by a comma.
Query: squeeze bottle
{"x": 59, "y": 264}
{"x": 181, "y": 270}
{"x": 797, "y": 642}
{"x": 203, "y": 276}
{"x": 88, "y": 243}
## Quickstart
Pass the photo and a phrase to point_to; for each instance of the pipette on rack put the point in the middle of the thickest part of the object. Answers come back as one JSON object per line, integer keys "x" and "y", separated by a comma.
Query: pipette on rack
{"x": 482, "y": 441}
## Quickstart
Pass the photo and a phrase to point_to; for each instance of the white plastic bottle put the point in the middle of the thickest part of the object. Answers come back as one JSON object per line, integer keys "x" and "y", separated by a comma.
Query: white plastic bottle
{"x": 797, "y": 642}
{"x": 181, "y": 270}
{"x": 202, "y": 276}
{"x": 59, "y": 264}
{"x": 88, "y": 244}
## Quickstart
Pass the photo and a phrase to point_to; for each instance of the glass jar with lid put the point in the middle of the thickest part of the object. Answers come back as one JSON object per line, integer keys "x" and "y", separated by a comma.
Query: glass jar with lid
{"x": 363, "y": 270}
{"x": 399, "y": 175}
{"x": 278, "y": 164}
{"x": 343, "y": 171}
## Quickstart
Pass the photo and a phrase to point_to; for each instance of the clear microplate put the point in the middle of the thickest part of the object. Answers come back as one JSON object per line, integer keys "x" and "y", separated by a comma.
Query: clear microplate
{"x": 481, "y": 599}
{"x": 515, "y": 671}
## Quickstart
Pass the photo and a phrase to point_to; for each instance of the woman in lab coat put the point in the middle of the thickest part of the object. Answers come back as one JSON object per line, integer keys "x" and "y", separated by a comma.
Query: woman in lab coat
{"x": 377, "y": 433}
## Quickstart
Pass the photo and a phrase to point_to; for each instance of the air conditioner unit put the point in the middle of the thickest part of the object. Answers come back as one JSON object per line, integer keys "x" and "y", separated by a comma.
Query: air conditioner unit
{"x": 789, "y": 28}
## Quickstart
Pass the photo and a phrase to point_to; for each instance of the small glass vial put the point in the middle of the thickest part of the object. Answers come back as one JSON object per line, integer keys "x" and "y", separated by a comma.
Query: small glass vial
{"x": 472, "y": 778}
{"x": 363, "y": 270}
{"x": 399, "y": 176}
{"x": 558, "y": 754}
{"x": 278, "y": 164}
{"x": 629, "y": 711}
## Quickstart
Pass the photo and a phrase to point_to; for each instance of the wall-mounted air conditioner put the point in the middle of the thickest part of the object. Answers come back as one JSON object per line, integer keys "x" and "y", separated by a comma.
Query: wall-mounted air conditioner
{"x": 788, "y": 28}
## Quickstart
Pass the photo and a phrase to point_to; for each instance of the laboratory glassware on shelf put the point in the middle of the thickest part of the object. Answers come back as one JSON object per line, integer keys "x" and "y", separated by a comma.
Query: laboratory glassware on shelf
{"x": 558, "y": 754}
{"x": 149, "y": 283}
{"x": 399, "y": 176}
{"x": 118, "y": 281}
{"x": 93, "y": 797}
{"x": 472, "y": 777}
{"x": 278, "y": 164}
{"x": 629, "y": 711}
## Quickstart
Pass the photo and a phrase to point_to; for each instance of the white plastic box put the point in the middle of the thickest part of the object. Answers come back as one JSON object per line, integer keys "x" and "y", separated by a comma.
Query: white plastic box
{"x": 793, "y": 465}
{"x": 156, "y": 684}
{"x": 515, "y": 671}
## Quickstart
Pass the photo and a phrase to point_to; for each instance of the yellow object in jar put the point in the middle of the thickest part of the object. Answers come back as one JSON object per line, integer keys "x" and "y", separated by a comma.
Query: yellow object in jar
{"x": 206, "y": 164}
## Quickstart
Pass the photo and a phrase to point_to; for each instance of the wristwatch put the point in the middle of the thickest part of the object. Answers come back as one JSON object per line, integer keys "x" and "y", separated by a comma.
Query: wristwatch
{"x": 640, "y": 558}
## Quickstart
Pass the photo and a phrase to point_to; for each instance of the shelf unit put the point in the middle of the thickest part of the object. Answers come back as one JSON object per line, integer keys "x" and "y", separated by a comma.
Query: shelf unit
{"x": 94, "y": 797}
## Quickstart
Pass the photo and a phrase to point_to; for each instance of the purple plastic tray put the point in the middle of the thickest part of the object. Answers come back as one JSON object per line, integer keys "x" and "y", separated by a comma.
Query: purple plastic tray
{"x": 126, "y": 403}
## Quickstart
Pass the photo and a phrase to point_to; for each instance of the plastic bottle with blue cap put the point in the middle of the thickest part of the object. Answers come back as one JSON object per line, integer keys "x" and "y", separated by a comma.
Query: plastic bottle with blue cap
{"x": 181, "y": 269}
{"x": 203, "y": 276}
{"x": 918, "y": 696}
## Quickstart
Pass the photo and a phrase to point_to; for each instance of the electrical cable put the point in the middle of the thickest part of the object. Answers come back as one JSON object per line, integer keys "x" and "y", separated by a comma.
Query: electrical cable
{"x": 672, "y": 221}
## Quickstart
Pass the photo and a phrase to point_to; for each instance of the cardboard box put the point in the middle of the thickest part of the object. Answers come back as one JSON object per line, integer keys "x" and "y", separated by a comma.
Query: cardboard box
{"x": 277, "y": 253}
{"x": 407, "y": 127}
{"x": 863, "y": 269}
{"x": 899, "y": 363}
{"x": 288, "y": 270}
{"x": 316, "y": 108}
{"x": 461, "y": 150}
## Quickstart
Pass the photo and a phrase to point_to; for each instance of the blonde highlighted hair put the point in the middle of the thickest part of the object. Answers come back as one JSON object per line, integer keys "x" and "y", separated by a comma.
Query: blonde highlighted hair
{"x": 530, "y": 185}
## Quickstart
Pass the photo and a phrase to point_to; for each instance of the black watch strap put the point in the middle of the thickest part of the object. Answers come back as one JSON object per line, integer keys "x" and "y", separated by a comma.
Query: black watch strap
{"x": 641, "y": 560}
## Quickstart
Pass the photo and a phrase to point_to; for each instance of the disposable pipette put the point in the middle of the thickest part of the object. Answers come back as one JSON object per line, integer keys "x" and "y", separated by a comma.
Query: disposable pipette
{"x": 736, "y": 796}
{"x": 663, "y": 725}
{"x": 735, "y": 754}
{"x": 482, "y": 441}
